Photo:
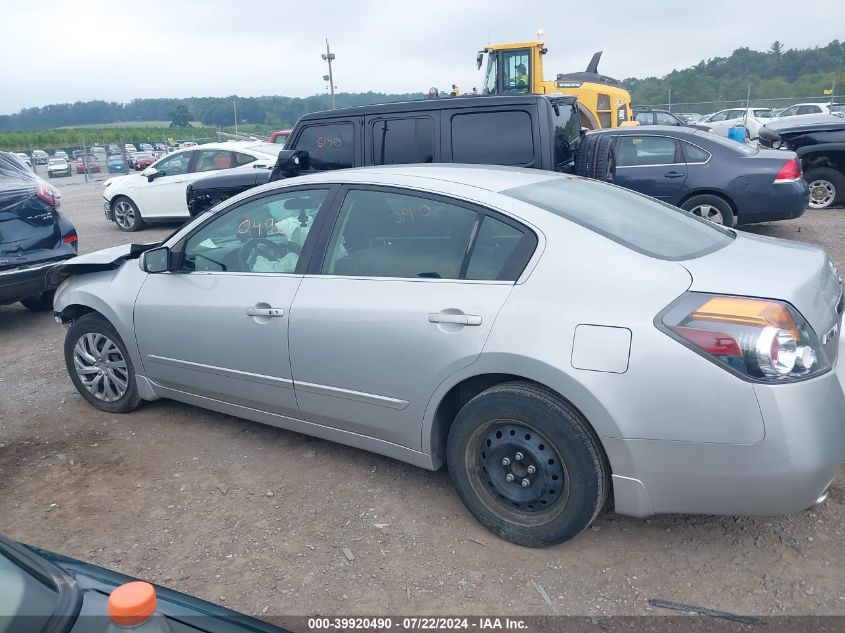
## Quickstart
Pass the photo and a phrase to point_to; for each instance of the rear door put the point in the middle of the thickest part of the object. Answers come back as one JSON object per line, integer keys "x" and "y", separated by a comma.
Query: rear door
{"x": 405, "y": 293}
{"x": 401, "y": 139}
{"x": 653, "y": 165}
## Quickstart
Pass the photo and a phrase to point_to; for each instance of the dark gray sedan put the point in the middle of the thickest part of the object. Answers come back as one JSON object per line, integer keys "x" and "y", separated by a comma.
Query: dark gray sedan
{"x": 713, "y": 177}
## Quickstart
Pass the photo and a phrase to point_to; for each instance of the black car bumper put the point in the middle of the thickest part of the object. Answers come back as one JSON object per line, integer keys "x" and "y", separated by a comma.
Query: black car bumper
{"x": 25, "y": 281}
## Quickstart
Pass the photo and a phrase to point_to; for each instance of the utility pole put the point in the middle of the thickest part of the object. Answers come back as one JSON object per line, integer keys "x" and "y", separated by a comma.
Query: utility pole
{"x": 235, "y": 106}
{"x": 670, "y": 98}
{"x": 328, "y": 56}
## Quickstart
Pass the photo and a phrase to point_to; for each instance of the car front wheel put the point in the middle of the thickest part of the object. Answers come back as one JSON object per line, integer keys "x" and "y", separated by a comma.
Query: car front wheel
{"x": 527, "y": 465}
{"x": 126, "y": 215}
{"x": 99, "y": 365}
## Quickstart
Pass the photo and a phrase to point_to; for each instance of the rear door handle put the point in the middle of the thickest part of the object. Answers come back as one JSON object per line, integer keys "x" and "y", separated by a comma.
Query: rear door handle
{"x": 268, "y": 312}
{"x": 458, "y": 319}
{"x": 674, "y": 174}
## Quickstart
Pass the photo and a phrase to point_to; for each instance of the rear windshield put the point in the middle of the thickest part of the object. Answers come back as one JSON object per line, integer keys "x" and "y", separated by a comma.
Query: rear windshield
{"x": 641, "y": 223}
{"x": 740, "y": 148}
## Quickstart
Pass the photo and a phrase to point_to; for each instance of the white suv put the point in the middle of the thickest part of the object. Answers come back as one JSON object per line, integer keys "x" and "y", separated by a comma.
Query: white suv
{"x": 158, "y": 192}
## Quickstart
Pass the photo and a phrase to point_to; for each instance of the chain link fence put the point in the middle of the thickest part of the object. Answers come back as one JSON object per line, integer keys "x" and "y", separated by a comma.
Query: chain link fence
{"x": 708, "y": 107}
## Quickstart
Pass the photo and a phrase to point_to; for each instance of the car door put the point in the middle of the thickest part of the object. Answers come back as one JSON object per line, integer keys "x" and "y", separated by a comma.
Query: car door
{"x": 216, "y": 326}
{"x": 163, "y": 196}
{"x": 405, "y": 293}
{"x": 652, "y": 165}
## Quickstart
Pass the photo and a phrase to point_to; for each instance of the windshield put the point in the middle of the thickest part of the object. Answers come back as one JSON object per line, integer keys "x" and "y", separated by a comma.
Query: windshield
{"x": 638, "y": 222}
{"x": 56, "y": 161}
{"x": 764, "y": 114}
{"x": 489, "y": 82}
{"x": 23, "y": 596}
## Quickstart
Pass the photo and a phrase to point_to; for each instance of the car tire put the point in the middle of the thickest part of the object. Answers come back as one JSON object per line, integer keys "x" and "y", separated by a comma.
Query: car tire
{"x": 39, "y": 303}
{"x": 107, "y": 381}
{"x": 596, "y": 158}
{"x": 827, "y": 187}
{"x": 126, "y": 215}
{"x": 517, "y": 432}
{"x": 710, "y": 207}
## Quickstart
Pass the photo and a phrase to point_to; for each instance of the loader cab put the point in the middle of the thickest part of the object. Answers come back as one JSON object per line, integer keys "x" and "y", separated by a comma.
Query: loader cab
{"x": 511, "y": 70}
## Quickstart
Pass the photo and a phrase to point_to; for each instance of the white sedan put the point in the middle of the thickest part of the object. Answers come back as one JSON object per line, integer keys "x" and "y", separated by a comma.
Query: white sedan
{"x": 750, "y": 118}
{"x": 158, "y": 192}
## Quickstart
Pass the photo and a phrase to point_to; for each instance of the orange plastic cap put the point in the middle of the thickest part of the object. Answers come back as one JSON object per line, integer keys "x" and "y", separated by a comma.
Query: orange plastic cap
{"x": 132, "y": 603}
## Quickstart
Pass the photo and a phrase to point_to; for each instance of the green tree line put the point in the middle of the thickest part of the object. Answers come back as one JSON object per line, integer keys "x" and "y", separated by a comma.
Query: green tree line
{"x": 273, "y": 112}
{"x": 775, "y": 73}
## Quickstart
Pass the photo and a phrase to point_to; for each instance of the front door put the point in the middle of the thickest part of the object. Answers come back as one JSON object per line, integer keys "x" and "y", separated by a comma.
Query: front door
{"x": 398, "y": 303}
{"x": 217, "y": 326}
{"x": 164, "y": 195}
{"x": 653, "y": 165}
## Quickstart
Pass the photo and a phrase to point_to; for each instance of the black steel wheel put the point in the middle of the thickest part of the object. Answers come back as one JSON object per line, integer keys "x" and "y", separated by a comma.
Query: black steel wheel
{"x": 527, "y": 464}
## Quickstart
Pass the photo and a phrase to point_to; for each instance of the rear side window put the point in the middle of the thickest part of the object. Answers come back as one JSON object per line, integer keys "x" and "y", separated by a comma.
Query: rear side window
{"x": 694, "y": 154}
{"x": 638, "y": 222}
{"x": 243, "y": 159}
{"x": 329, "y": 146}
{"x": 402, "y": 141}
{"x": 494, "y": 246}
{"x": 494, "y": 138}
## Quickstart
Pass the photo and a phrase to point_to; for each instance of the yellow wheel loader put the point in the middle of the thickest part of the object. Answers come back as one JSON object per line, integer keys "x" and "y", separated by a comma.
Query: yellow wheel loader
{"x": 518, "y": 68}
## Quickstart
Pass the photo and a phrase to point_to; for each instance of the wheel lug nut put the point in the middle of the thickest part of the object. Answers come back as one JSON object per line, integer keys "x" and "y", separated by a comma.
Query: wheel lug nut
{"x": 509, "y": 477}
{"x": 531, "y": 470}
{"x": 518, "y": 457}
{"x": 526, "y": 482}
{"x": 506, "y": 461}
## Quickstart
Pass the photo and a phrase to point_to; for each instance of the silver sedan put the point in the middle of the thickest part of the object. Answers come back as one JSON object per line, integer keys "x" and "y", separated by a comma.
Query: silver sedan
{"x": 553, "y": 340}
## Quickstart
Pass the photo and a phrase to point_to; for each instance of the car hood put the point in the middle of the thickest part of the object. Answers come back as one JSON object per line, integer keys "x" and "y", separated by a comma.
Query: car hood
{"x": 770, "y": 268}
{"x": 117, "y": 180}
{"x": 106, "y": 259}
{"x": 805, "y": 121}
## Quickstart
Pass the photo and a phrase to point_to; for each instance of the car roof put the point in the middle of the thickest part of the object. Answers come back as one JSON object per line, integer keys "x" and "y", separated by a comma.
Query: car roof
{"x": 492, "y": 178}
{"x": 649, "y": 130}
{"x": 422, "y": 105}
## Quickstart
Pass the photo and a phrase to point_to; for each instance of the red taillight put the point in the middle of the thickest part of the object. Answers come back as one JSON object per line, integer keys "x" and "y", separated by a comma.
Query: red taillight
{"x": 47, "y": 194}
{"x": 716, "y": 343}
{"x": 70, "y": 239}
{"x": 790, "y": 172}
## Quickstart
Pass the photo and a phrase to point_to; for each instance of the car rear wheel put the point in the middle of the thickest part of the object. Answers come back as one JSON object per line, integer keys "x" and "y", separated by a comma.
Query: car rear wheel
{"x": 712, "y": 208}
{"x": 126, "y": 215}
{"x": 827, "y": 186}
{"x": 527, "y": 465}
{"x": 99, "y": 365}
{"x": 39, "y": 303}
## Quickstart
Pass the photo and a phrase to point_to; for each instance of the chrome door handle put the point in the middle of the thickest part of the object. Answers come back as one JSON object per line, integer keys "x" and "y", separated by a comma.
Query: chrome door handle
{"x": 458, "y": 319}
{"x": 267, "y": 312}
{"x": 674, "y": 174}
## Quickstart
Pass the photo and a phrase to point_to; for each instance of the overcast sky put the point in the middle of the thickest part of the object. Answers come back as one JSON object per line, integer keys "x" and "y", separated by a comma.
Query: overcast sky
{"x": 57, "y": 51}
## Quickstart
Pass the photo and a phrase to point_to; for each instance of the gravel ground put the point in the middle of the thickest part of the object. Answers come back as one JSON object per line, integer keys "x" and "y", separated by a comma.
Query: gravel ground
{"x": 258, "y": 518}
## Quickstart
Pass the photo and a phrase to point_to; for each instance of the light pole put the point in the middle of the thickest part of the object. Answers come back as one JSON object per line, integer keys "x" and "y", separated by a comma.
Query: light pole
{"x": 235, "y": 107}
{"x": 328, "y": 56}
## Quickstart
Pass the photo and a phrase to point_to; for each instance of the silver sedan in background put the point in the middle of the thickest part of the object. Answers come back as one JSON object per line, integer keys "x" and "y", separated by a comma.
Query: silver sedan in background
{"x": 554, "y": 340}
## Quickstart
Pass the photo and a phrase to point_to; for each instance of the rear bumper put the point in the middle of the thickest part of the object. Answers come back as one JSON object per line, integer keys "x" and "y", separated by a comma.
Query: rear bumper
{"x": 22, "y": 283}
{"x": 788, "y": 471}
{"x": 786, "y": 201}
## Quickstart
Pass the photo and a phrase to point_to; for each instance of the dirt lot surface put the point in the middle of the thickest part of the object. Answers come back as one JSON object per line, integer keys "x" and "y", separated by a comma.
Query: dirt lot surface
{"x": 258, "y": 518}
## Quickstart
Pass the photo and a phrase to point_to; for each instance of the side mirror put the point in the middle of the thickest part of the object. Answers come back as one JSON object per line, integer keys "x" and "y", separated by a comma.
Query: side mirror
{"x": 151, "y": 173}
{"x": 290, "y": 163}
{"x": 156, "y": 260}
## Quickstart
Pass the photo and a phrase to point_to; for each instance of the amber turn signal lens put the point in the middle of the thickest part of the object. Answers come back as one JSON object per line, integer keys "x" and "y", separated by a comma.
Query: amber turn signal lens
{"x": 747, "y": 312}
